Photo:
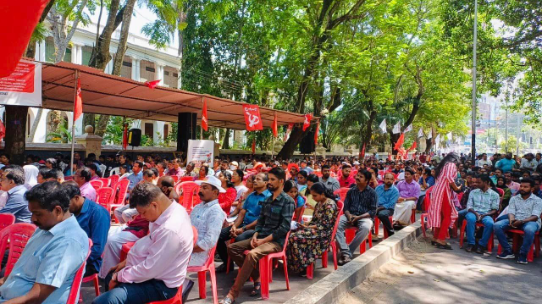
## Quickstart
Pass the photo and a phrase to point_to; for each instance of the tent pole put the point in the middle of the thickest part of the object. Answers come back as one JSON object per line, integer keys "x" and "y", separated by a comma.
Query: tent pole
{"x": 76, "y": 74}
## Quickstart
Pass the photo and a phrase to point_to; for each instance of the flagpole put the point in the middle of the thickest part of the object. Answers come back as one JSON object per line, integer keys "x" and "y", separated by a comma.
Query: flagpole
{"x": 73, "y": 123}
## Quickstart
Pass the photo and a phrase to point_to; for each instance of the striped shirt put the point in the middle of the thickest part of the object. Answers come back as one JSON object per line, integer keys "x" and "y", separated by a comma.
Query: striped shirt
{"x": 482, "y": 201}
{"x": 441, "y": 191}
{"x": 360, "y": 202}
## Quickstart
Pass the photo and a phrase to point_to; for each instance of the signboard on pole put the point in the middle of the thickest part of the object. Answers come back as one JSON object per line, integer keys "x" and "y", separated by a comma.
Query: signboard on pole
{"x": 200, "y": 151}
{"x": 23, "y": 86}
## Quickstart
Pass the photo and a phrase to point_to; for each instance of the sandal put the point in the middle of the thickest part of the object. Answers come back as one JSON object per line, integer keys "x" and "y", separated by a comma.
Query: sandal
{"x": 256, "y": 291}
{"x": 433, "y": 242}
{"x": 445, "y": 246}
{"x": 227, "y": 300}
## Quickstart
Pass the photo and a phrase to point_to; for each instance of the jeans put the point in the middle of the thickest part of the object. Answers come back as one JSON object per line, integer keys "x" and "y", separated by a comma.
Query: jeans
{"x": 135, "y": 293}
{"x": 225, "y": 236}
{"x": 488, "y": 223}
{"x": 461, "y": 216}
{"x": 529, "y": 229}
{"x": 363, "y": 229}
{"x": 383, "y": 217}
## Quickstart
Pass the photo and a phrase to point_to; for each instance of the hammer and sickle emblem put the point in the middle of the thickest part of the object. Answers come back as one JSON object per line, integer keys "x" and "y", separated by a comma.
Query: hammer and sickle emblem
{"x": 253, "y": 119}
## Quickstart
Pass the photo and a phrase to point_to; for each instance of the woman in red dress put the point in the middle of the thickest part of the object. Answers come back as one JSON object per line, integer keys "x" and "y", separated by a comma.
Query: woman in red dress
{"x": 442, "y": 213}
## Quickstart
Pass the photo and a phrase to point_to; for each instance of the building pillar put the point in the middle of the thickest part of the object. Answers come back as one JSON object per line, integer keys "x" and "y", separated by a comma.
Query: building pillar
{"x": 79, "y": 54}
{"x": 74, "y": 54}
{"x": 135, "y": 69}
{"x": 91, "y": 142}
{"x": 179, "y": 79}
{"x": 159, "y": 73}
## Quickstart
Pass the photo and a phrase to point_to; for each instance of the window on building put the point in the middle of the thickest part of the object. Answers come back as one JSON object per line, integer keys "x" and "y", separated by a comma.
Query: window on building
{"x": 86, "y": 56}
{"x": 150, "y": 69}
{"x": 149, "y": 130}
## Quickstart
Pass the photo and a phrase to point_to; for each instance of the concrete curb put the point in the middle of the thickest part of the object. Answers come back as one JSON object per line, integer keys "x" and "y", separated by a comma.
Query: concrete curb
{"x": 329, "y": 289}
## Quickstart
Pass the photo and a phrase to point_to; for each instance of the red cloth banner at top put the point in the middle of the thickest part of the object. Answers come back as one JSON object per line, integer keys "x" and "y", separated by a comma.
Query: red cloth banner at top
{"x": 400, "y": 141}
{"x": 289, "y": 129}
{"x": 307, "y": 121}
{"x": 317, "y": 133}
{"x": 125, "y": 137}
{"x": 204, "y": 116}
{"x": 2, "y": 130}
{"x": 253, "y": 122}
{"x": 78, "y": 103}
{"x": 274, "y": 125}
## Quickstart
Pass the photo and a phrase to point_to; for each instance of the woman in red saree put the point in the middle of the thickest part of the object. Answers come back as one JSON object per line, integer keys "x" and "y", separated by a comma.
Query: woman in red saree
{"x": 442, "y": 213}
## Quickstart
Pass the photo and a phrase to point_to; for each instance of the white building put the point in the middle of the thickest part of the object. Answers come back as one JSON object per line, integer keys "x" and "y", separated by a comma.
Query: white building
{"x": 142, "y": 62}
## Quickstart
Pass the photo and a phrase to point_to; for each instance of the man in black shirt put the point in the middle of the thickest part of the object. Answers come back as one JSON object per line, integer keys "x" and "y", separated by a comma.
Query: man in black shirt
{"x": 358, "y": 211}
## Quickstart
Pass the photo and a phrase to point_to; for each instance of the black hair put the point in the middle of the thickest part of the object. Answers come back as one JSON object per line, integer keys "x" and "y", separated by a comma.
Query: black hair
{"x": 366, "y": 174}
{"x": 143, "y": 194}
{"x": 320, "y": 188}
{"x": 529, "y": 181}
{"x": 313, "y": 178}
{"x": 86, "y": 174}
{"x": 71, "y": 188}
{"x": 53, "y": 174}
{"x": 450, "y": 158}
{"x": 289, "y": 185}
{"x": 303, "y": 173}
{"x": 411, "y": 171}
{"x": 278, "y": 172}
{"x": 325, "y": 167}
{"x": 205, "y": 167}
{"x": 53, "y": 162}
{"x": 49, "y": 195}
{"x": 228, "y": 177}
{"x": 43, "y": 172}
{"x": 486, "y": 179}
{"x": 155, "y": 171}
{"x": 15, "y": 173}
{"x": 140, "y": 164}
{"x": 95, "y": 169}
{"x": 346, "y": 166}
{"x": 6, "y": 155}
{"x": 240, "y": 173}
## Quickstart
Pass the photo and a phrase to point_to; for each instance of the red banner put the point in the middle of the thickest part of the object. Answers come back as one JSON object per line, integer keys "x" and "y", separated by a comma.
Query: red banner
{"x": 317, "y": 133}
{"x": 152, "y": 84}
{"x": 400, "y": 141}
{"x": 413, "y": 146}
{"x": 362, "y": 152}
{"x": 307, "y": 121}
{"x": 78, "y": 103}
{"x": 204, "y": 116}
{"x": 253, "y": 147}
{"x": 125, "y": 137}
{"x": 2, "y": 130}
{"x": 274, "y": 125}
{"x": 253, "y": 122}
{"x": 289, "y": 129}
{"x": 21, "y": 80}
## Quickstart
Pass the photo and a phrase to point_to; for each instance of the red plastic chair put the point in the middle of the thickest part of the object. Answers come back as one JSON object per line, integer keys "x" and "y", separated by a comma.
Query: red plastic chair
{"x": 6, "y": 220}
{"x": 120, "y": 194}
{"x": 104, "y": 197}
{"x": 187, "y": 179}
{"x": 350, "y": 232}
{"x": 78, "y": 278}
{"x": 209, "y": 266}
{"x": 425, "y": 215}
{"x": 175, "y": 178}
{"x": 113, "y": 180}
{"x": 490, "y": 244}
{"x": 190, "y": 194}
{"x": 93, "y": 278}
{"x": 376, "y": 223}
{"x": 333, "y": 246}
{"x": 342, "y": 192}
{"x": 97, "y": 184}
{"x": 177, "y": 299}
{"x": 105, "y": 182}
{"x": 15, "y": 237}
{"x": 534, "y": 248}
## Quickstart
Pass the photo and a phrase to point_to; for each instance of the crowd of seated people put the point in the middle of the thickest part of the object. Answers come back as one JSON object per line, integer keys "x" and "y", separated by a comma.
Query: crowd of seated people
{"x": 247, "y": 207}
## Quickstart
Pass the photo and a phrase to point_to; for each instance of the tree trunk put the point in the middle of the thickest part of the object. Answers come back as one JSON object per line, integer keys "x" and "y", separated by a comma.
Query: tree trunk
{"x": 295, "y": 137}
{"x": 101, "y": 126}
{"x": 35, "y": 125}
{"x": 14, "y": 141}
{"x": 428, "y": 145}
{"x": 89, "y": 119}
{"x": 393, "y": 139}
{"x": 121, "y": 49}
{"x": 226, "y": 140}
{"x": 100, "y": 53}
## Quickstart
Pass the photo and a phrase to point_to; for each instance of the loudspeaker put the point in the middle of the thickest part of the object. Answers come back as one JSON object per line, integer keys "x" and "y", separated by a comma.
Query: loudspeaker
{"x": 134, "y": 137}
{"x": 307, "y": 145}
{"x": 186, "y": 129}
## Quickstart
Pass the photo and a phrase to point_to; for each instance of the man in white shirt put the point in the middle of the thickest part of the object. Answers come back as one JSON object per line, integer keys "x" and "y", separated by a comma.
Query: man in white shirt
{"x": 483, "y": 161}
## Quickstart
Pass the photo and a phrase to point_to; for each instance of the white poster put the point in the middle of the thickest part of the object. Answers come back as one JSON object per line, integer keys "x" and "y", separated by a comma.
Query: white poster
{"x": 22, "y": 86}
{"x": 201, "y": 151}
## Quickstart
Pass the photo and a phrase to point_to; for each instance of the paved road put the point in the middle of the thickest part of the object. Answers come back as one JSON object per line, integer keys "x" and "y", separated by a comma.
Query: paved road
{"x": 423, "y": 274}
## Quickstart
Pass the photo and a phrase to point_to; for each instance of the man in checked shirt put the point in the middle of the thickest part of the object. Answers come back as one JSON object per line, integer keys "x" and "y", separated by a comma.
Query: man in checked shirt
{"x": 271, "y": 230}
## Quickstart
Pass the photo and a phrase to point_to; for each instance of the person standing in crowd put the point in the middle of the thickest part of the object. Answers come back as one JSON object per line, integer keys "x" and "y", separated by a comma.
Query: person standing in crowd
{"x": 528, "y": 163}
{"x": 346, "y": 180}
{"x": 506, "y": 164}
{"x": 156, "y": 266}
{"x": 270, "y": 233}
{"x": 442, "y": 213}
{"x": 330, "y": 182}
{"x": 309, "y": 241}
{"x": 94, "y": 220}
{"x": 12, "y": 182}
{"x": 483, "y": 161}
{"x": 387, "y": 196}
{"x": 46, "y": 269}
{"x": 359, "y": 211}
{"x": 483, "y": 204}
{"x": 409, "y": 194}
{"x": 524, "y": 213}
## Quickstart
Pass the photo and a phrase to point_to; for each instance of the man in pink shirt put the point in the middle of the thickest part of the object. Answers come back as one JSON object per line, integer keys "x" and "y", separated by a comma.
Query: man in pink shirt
{"x": 156, "y": 266}
{"x": 346, "y": 180}
{"x": 82, "y": 177}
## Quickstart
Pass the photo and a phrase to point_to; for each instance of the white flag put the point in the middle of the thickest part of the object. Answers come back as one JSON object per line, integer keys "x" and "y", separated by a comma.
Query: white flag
{"x": 397, "y": 128}
{"x": 449, "y": 136}
{"x": 409, "y": 128}
{"x": 383, "y": 126}
{"x": 421, "y": 133}
{"x": 429, "y": 135}
{"x": 438, "y": 139}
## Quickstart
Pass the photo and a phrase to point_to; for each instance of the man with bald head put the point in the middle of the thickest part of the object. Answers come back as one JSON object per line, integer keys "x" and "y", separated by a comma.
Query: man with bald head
{"x": 167, "y": 185}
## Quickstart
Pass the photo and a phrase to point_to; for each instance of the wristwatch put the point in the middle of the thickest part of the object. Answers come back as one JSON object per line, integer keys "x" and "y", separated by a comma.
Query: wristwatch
{"x": 243, "y": 228}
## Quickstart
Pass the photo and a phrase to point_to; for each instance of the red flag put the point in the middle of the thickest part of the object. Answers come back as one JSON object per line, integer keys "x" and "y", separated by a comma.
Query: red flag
{"x": 412, "y": 147}
{"x": 78, "y": 103}
{"x": 152, "y": 84}
{"x": 125, "y": 137}
{"x": 253, "y": 122}
{"x": 400, "y": 141}
{"x": 307, "y": 121}
{"x": 204, "y": 116}
{"x": 274, "y": 125}
{"x": 289, "y": 129}
{"x": 317, "y": 133}
{"x": 363, "y": 152}
{"x": 2, "y": 130}
{"x": 253, "y": 146}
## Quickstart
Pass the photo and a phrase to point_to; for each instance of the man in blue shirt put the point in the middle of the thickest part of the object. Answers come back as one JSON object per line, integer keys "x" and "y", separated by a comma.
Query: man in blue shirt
{"x": 387, "y": 196}
{"x": 243, "y": 227}
{"x": 12, "y": 182}
{"x": 94, "y": 220}
{"x": 46, "y": 269}
{"x": 136, "y": 176}
{"x": 506, "y": 164}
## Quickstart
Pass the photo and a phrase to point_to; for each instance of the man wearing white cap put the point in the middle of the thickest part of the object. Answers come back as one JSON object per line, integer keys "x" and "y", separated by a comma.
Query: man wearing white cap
{"x": 207, "y": 217}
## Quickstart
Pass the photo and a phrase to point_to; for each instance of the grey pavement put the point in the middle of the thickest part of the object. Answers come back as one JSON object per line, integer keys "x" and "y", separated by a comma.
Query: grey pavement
{"x": 422, "y": 274}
